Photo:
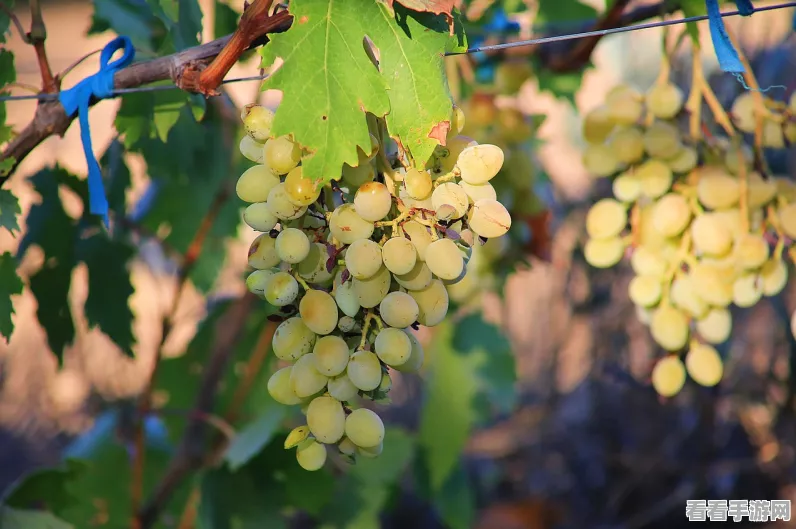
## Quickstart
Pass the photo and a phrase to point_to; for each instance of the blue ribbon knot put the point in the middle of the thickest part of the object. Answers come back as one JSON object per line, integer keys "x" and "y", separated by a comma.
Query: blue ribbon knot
{"x": 77, "y": 99}
{"x": 725, "y": 52}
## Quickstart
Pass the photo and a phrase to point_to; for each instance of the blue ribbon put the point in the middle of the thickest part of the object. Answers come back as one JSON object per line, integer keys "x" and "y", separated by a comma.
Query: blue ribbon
{"x": 77, "y": 99}
{"x": 725, "y": 52}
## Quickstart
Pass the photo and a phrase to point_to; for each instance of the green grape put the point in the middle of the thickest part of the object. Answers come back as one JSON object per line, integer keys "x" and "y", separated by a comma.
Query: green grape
{"x": 319, "y": 311}
{"x": 363, "y": 258}
{"x": 416, "y": 357}
{"x": 393, "y": 346}
{"x": 713, "y": 283}
{"x": 311, "y": 455}
{"x": 257, "y": 120}
{"x": 662, "y": 140}
{"x": 444, "y": 259}
{"x": 606, "y": 218}
{"x": 626, "y": 188}
{"x": 251, "y": 150}
{"x": 743, "y": 112}
{"x": 364, "y": 428}
{"x": 417, "y": 279}
{"x": 398, "y": 309}
{"x": 359, "y": 175}
{"x": 331, "y": 355}
{"x": 326, "y": 419}
{"x": 669, "y": 328}
{"x": 737, "y": 156}
{"x": 257, "y": 280}
{"x": 478, "y": 164}
{"x": 370, "y": 453}
{"x": 417, "y": 183}
{"x": 297, "y": 436}
{"x": 255, "y": 183}
{"x": 751, "y": 251}
{"x": 489, "y": 218}
{"x": 747, "y": 290}
{"x": 668, "y": 376}
{"x": 774, "y": 276}
{"x": 282, "y": 154}
{"x": 711, "y": 236}
{"x": 664, "y": 100}
{"x": 342, "y": 388}
{"x": 346, "y": 447}
{"x": 372, "y": 290}
{"x": 655, "y": 177}
{"x": 281, "y": 289}
{"x": 457, "y": 121}
{"x": 704, "y": 365}
{"x": 313, "y": 267}
{"x": 684, "y": 296}
{"x": 716, "y": 189}
{"x": 603, "y": 253}
{"x": 292, "y": 245}
{"x": 259, "y": 218}
{"x": 715, "y": 327}
{"x": 477, "y": 192}
{"x": 432, "y": 303}
{"x": 627, "y": 145}
{"x": 292, "y": 339}
{"x": 346, "y": 297}
{"x": 399, "y": 255}
{"x": 347, "y": 324}
{"x": 419, "y": 236}
{"x": 386, "y": 382}
{"x": 645, "y": 290}
{"x": 364, "y": 370}
{"x": 280, "y": 205}
{"x": 598, "y": 125}
{"x": 625, "y": 109}
{"x": 787, "y": 219}
{"x": 280, "y": 388}
{"x": 684, "y": 161}
{"x": 600, "y": 160}
{"x": 448, "y": 155}
{"x": 671, "y": 215}
{"x": 453, "y": 195}
{"x": 346, "y": 226}
{"x": 301, "y": 191}
{"x": 305, "y": 378}
{"x": 372, "y": 201}
{"x": 645, "y": 261}
{"x": 262, "y": 252}
{"x": 760, "y": 191}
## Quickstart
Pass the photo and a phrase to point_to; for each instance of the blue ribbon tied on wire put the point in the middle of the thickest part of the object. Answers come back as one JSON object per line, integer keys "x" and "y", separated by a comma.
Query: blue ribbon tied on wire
{"x": 78, "y": 98}
{"x": 729, "y": 61}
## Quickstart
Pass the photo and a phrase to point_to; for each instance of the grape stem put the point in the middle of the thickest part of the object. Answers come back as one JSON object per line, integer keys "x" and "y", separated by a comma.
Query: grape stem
{"x": 744, "y": 192}
{"x": 301, "y": 281}
{"x": 447, "y": 177}
{"x": 368, "y": 318}
{"x": 701, "y": 91}
{"x": 682, "y": 256}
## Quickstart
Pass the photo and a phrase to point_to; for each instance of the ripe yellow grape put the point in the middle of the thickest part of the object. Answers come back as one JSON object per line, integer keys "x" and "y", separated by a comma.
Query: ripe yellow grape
{"x": 664, "y": 100}
{"x": 257, "y": 121}
{"x": 787, "y": 219}
{"x": 372, "y": 201}
{"x": 282, "y": 154}
{"x": 668, "y": 376}
{"x": 684, "y": 296}
{"x": 342, "y": 388}
{"x": 364, "y": 428}
{"x": 399, "y": 255}
{"x": 281, "y": 289}
{"x": 716, "y": 189}
{"x": 416, "y": 357}
{"x": 419, "y": 236}
{"x": 292, "y": 339}
{"x": 598, "y": 125}
{"x": 671, "y": 215}
{"x": 393, "y": 346}
{"x": 444, "y": 259}
{"x": 259, "y": 218}
{"x": 627, "y": 145}
{"x": 432, "y": 303}
{"x": 452, "y": 195}
{"x": 363, "y": 258}
{"x": 761, "y": 191}
{"x": 280, "y": 388}
{"x": 626, "y": 188}
{"x": 357, "y": 176}
{"x": 477, "y": 192}
{"x": 251, "y": 149}
{"x": 372, "y": 290}
{"x": 684, "y": 161}
{"x": 625, "y": 110}
{"x": 669, "y": 328}
{"x": 257, "y": 280}
{"x": 262, "y": 252}
{"x": 710, "y": 235}
{"x": 300, "y": 190}
{"x": 255, "y": 183}
{"x": 715, "y": 327}
{"x": 292, "y": 245}
{"x": 346, "y": 297}
{"x": 606, "y": 218}
{"x": 655, "y": 177}
{"x": 326, "y": 419}
{"x": 313, "y": 267}
{"x": 346, "y": 447}
{"x": 774, "y": 276}
{"x": 489, "y": 218}
{"x": 331, "y": 355}
{"x": 305, "y": 379}
{"x": 364, "y": 370}
{"x": 743, "y": 112}
{"x": 311, "y": 455}
{"x": 604, "y": 253}
{"x": 773, "y": 134}
{"x": 662, "y": 140}
{"x": 645, "y": 291}
{"x": 600, "y": 160}
{"x": 417, "y": 183}
{"x": 751, "y": 251}
{"x": 713, "y": 283}
{"x": 399, "y": 309}
{"x": 478, "y": 164}
{"x": 747, "y": 290}
{"x": 645, "y": 261}
{"x": 418, "y": 278}
{"x": 704, "y": 365}
{"x": 347, "y": 226}
{"x": 319, "y": 311}
{"x": 280, "y": 205}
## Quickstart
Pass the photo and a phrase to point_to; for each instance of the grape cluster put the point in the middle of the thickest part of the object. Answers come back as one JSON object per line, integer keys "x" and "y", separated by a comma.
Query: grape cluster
{"x": 354, "y": 265}
{"x": 703, "y": 228}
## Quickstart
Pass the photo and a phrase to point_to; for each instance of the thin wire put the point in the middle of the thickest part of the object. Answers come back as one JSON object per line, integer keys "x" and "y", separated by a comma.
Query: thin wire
{"x": 478, "y": 49}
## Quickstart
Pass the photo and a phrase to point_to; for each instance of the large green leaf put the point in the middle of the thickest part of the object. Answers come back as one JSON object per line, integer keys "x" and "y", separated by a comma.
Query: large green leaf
{"x": 19, "y": 519}
{"x": 46, "y": 488}
{"x": 328, "y": 80}
{"x": 10, "y": 285}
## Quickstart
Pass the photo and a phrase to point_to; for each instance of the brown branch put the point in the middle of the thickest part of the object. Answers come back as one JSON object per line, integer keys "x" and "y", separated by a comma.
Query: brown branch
{"x": 37, "y": 36}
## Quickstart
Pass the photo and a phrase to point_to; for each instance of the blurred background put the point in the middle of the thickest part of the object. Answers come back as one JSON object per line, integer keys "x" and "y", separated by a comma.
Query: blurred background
{"x": 562, "y": 428}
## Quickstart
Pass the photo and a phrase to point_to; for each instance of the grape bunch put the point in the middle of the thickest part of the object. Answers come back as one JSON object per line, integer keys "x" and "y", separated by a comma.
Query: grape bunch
{"x": 353, "y": 266}
{"x": 703, "y": 227}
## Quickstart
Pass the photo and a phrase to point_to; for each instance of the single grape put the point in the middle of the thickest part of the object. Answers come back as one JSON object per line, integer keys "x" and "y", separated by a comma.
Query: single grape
{"x": 743, "y": 112}
{"x": 342, "y": 388}
{"x": 346, "y": 226}
{"x": 280, "y": 205}
{"x": 672, "y": 215}
{"x": 710, "y": 235}
{"x": 655, "y": 177}
{"x": 603, "y": 253}
{"x": 662, "y": 140}
{"x": 300, "y": 190}
{"x": 684, "y": 296}
{"x": 358, "y": 176}
{"x": 305, "y": 378}
{"x": 372, "y": 201}
{"x": 386, "y": 383}
{"x": 747, "y": 290}
{"x": 774, "y": 276}
{"x": 419, "y": 236}
{"x": 627, "y": 145}
{"x": 280, "y": 388}
{"x": 347, "y": 324}
{"x": 751, "y": 251}
{"x": 398, "y": 309}
{"x": 626, "y": 188}
{"x": 669, "y": 328}
{"x": 313, "y": 267}
{"x": 684, "y": 161}
{"x": 255, "y": 183}
{"x": 257, "y": 120}
{"x": 364, "y": 428}
{"x": 364, "y": 370}
{"x": 292, "y": 339}
{"x": 645, "y": 290}
{"x": 598, "y": 125}
{"x": 292, "y": 245}
{"x": 761, "y": 191}
{"x": 444, "y": 259}
{"x": 262, "y": 252}
{"x": 713, "y": 283}
{"x": 257, "y": 280}
{"x": 605, "y": 219}
{"x": 668, "y": 376}
{"x": 452, "y": 195}
{"x": 715, "y": 327}
{"x": 477, "y": 192}
{"x": 363, "y": 258}
{"x": 645, "y": 261}
{"x": 326, "y": 419}
{"x": 416, "y": 357}
{"x": 417, "y": 279}
{"x": 704, "y": 365}
{"x": 600, "y": 160}
{"x": 346, "y": 447}
{"x": 372, "y": 290}
{"x": 282, "y": 154}
{"x": 399, "y": 255}
{"x": 319, "y": 311}
{"x": 346, "y": 297}
{"x": 297, "y": 435}
{"x": 664, "y": 100}
{"x": 281, "y": 289}
{"x": 331, "y": 355}
{"x": 480, "y": 163}
{"x": 716, "y": 189}
{"x": 787, "y": 219}
{"x": 738, "y": 156}
{"x": 625, "y": 110}
{"x": 489, "y": 218}
{"x": 311, "y": 455}
{"x": 393, "y": 346}
{"x": 432, "y": 303}
{"x": 417, "y": 183}
{"x": 259, "y": 218}
{"x": 251, "y": 150}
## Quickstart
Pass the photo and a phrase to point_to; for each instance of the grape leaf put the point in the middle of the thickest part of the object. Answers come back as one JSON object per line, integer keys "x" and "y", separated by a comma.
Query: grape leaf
{"x": 456, "y": 500}
{"x": 226, "y": 19}
{"x": 46, "y": 488}
{"x": 8, "y": 75}
{"x": 130, "y": 18}
{"x": 19, "y": 519}
{"x": 258, "y": 433}
{"x": 10, "y": 285}
{"x": 328, "y": 81}
{"x": 9, "y": 209}
{"x": 693, "y": 8}
{"x": 561, "y": 85}
{"x": 5, "y": 22}
{"x": 438, "y": 7}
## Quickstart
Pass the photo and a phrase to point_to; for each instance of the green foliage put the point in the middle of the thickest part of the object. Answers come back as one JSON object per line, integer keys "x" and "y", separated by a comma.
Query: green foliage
{"x": 329, "y": 82}
{"x": 557, "y": 11}
{"x": 254, "y": 436}
{"x": 562, "y": 85}
{"x": 10, "y": 285}
{"x": 693, "y": 8}
{"x": 226, "y": 20}
{"x": 48, "y": 488}
{"x": 19, "y": 519}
